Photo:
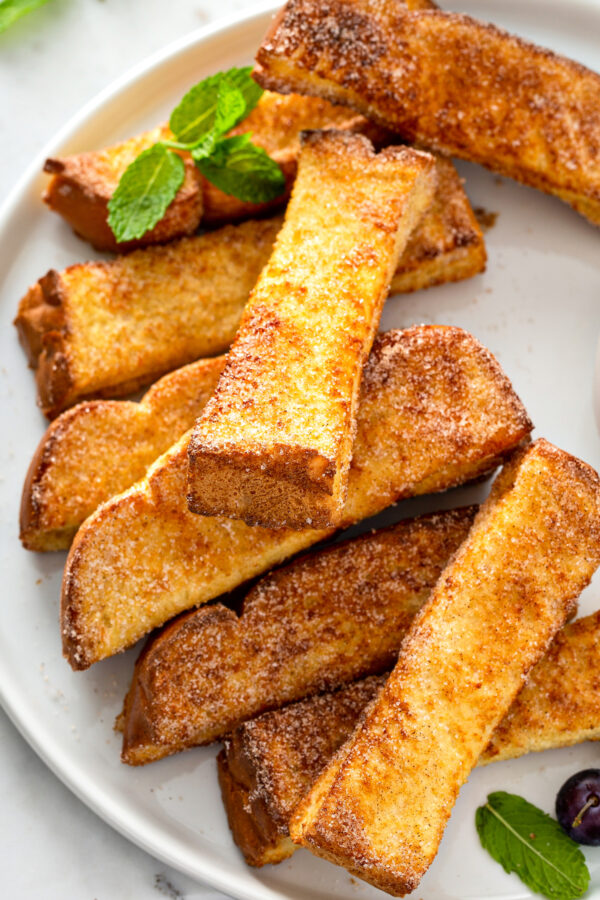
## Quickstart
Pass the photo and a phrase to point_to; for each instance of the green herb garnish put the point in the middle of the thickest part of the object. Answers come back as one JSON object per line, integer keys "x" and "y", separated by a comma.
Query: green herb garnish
{"x": 240, "y": 168}
{"x": 11, "y": 10}
{"x": 530, "y": 843}
{"x": 199, "y": 123}
{"x": 199, "y": 110}
{"x": 145, "y": 190}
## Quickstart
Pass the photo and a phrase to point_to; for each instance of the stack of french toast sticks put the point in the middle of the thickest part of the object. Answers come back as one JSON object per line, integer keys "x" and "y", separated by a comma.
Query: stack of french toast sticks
{"x": 360, "y": 683}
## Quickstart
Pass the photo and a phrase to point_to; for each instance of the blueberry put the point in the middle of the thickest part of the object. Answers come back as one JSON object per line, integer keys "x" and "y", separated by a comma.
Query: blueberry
{"x": 578, "y": 807}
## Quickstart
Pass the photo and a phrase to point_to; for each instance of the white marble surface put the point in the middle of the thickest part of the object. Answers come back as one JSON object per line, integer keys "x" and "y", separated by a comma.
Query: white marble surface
{"x": 51, "y": 62}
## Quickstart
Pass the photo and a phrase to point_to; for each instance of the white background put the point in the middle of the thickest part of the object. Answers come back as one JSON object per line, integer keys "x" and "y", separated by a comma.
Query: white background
{"x": 51, "y": 62}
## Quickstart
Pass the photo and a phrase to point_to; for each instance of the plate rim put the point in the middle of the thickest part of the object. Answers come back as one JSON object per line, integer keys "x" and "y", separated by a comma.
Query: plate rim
{"x": 130, "y": 822}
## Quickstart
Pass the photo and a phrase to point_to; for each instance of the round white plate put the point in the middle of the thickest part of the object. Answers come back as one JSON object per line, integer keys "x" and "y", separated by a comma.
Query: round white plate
{"x": 537, "y": 308}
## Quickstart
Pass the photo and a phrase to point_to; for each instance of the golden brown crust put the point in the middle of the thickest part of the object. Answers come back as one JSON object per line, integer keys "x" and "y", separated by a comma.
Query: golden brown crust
{"x": 75, "y": 467}
{"x": 157, "y": 329}
{"x": 261, "y": 844}
{"x": 100, "y": 448}
{"x": 560, "y": 702}
{"x": 468, "y": 414}
{"x": 82, "y": 185}
{"x": 436, "y": 410}
{"x": 448, "y": 82}
{"x": 36, "y": 317}
{"x": 533, "y": 547}
{"x": 273, "y": 761}
{"x": 447, "y": 244}
{"x": 279, "y": 755}
{"x": 273, "y": 445}
{"x": 324, "y": 620}
{"x": 109, "y": 328}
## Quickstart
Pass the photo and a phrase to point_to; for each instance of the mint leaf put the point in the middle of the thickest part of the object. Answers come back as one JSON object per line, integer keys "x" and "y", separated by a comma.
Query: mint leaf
{"x": 242, "y": 170}
{"x": 11, "y": 10}
{"x": 222, "y": 149}
{"x": 242, "y": 80}
{"x": 194, "y": 117}
{"x": 527, "y": 841}
{"x": 225, "y": 148}
{"x": 144, "y": 192}
{"x": 231, "y": 108}
{"x": 203, "y": 109}
{"x": 230, "y": 105}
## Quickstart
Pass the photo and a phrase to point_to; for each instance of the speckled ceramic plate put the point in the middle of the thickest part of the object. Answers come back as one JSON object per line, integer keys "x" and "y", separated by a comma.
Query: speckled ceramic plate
{"x": 537, "y": 308}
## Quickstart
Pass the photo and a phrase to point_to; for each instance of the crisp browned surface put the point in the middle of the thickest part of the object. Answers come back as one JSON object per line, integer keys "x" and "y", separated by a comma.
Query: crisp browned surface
{"x": 320, "y": 622}
{"x": 273, "y": 445}
{"x": 560, "y": 703}
{"x": 273, "y": 761}
{"x": 81, "y": 185}
{"x": 436, "y": 410}
{"x": 447, "y": 245}
{"x": 381, "y": 806}
{"x": 99, "y": 328}
{"x": 270, "y": 763}
{"x": 448, "y": 82}
{"x": 260, "y": 842}
{"x": 100, "y": 448}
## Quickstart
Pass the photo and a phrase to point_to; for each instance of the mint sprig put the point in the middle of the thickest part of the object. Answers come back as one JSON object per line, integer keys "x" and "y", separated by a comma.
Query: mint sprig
{"x": 530, "y": 843}
{"x": 199, "y": 122}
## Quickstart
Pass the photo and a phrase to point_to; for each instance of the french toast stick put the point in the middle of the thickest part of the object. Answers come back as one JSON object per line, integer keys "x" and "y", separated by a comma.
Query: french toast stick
{"x": 271, "y": 762}
{"x": 317, "y": 623}
{"x": 82, "y": 185}
{"x": 436, "y": 410}
{"x": 100, "y": 448}
{"x": 105, "y": 329}
{"x": 273, "y": 444}
{"x": 381, "y": 806}
{"x": 448, "y": 82}
{"x": 166, "y": 306}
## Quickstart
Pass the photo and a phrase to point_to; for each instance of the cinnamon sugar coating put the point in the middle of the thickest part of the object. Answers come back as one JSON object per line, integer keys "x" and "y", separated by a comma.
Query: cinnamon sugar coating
{"x": 100, "y": 448}
{"x": 448, "y": 82}
{"x": 273, "y": 445}
{"x": 436, "y": 410}
{"x": 560, "y": 702}
{"x": 103, "y": 329}
{"x": 82, "y": 185}
{"x": 324, "y": 620}
{"x": 272, "y": 762}
{"x": 381, "y": 806}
